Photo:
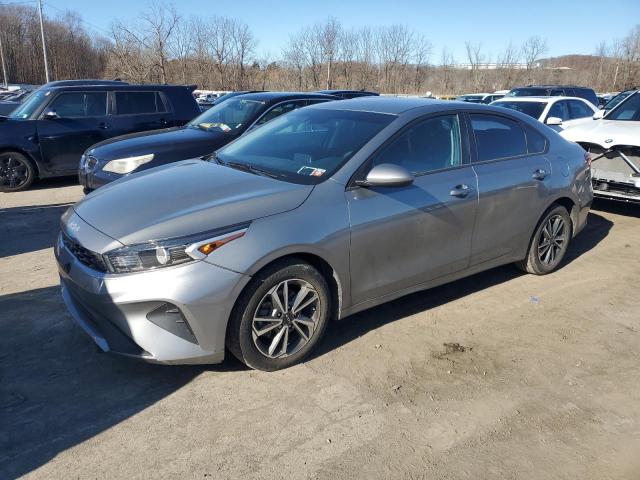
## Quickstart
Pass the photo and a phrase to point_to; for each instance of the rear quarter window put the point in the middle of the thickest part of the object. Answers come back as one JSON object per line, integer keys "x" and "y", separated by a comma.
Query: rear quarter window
{"x": 536, "y": 142}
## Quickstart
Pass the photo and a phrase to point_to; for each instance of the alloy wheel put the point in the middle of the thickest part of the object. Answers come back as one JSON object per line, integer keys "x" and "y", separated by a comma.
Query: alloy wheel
{"x": 552, "y": 240}
{"x": 13, "y": 172}
{"x": 286, "y": 318}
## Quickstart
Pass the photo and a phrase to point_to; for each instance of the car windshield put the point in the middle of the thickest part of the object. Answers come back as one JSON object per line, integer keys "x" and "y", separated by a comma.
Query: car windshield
{"x": 628, "y": 110}
{"x": 526, "y": 92}
{"x": 228, "y": 116}
{"x": 533, "y": 109}
{"x": 611, "y": 104}
{"x": 305, "y": 146}
{"x": 30, "y": 105}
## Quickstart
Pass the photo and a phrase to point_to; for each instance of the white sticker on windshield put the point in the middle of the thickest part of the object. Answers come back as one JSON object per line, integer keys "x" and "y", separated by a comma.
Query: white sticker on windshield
{"x": 311, "y": 171}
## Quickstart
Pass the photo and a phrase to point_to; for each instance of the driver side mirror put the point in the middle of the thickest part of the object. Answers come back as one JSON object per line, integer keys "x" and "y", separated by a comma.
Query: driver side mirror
{"x": 554, "y": 121}
{"x": 50, "y": 115}
{"x": 387, "y": 175}
{"x": 599, "y": 114}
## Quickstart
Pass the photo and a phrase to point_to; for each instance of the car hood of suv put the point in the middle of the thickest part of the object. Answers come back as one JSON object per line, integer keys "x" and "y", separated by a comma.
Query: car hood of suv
{"x": 185, "y": 198}
{"x": 167, "y": 145}
{"x": 606, "y": 133}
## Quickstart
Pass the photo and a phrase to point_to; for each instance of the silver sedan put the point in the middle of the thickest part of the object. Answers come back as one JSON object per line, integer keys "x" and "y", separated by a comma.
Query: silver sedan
{"x": 319, "y": 214}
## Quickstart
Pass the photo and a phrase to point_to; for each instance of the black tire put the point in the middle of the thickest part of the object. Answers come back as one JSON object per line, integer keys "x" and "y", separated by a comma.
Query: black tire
{"x": 242, "y": 338}
{"x": 541, "y": 261}
{"x": 17, "y": 172}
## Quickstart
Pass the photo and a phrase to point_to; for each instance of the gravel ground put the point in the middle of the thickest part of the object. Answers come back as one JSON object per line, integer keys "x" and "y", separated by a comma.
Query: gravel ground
{"x": 501, "y": 376}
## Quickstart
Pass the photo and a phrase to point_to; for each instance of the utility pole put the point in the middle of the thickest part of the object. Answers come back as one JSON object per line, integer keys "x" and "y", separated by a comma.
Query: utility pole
{"x": 4, "y": 67}
{"x": 44, "y": 45}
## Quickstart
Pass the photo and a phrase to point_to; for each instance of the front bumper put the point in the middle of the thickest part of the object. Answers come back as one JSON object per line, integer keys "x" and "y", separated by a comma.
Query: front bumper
{"x": 92, "y": 179}
{"x": 114, "y": 309}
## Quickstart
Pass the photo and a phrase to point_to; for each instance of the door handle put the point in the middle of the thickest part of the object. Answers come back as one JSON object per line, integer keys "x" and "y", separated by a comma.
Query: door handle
{"x": 540, "y": 174}
{"x": 104, "y": 125}
{"x": 461, "y": 191}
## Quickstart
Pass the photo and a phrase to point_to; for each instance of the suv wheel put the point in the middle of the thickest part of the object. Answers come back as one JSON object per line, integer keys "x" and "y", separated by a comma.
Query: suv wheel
{"x": 16, "y": 172}
{"x": 549, "y": 243}
{"x": 280, "y": 317}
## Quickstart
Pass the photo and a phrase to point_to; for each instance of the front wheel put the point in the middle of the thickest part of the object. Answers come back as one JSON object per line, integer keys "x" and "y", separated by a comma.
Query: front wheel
{"x": 280, "y": 317}
{"x": 549, "y": 243}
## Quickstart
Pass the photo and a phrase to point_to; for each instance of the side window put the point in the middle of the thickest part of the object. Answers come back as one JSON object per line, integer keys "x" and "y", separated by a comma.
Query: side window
{"x": 432, "y": 144}
{"x": 280, "y": 110}
{"x": 560, "y": 110}
{"x": 536, "y": 142}
{"x": 556, "y": 93}
{"x": 131, "y": 103}
{"x": 497, "y": 137}
{"x": 80, "y": 104}
{"x": 579, "y": 109}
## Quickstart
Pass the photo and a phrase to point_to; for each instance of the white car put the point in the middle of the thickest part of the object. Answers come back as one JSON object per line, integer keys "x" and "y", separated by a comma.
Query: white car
{"x": 613, "y": 139}
{"x": 557, "y": 112}
{"x": 485, "y": 98}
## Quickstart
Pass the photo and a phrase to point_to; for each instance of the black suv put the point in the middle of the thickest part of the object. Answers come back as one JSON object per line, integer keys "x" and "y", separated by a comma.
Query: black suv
{"x": 555, "y": 91}
{"x": 214, "y": 128}
{"x": 47, "y": 134}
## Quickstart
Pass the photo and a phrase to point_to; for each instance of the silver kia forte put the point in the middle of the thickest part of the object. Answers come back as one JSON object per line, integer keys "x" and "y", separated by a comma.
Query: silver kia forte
{"x": 319, "y": 214}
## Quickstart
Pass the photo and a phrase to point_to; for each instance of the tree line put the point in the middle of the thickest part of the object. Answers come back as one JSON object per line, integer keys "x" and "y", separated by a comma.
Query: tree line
{"x": 220, "y": 53}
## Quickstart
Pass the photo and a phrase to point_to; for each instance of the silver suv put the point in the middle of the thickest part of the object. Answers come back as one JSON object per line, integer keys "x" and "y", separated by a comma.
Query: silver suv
{"x": 322, "y": 213}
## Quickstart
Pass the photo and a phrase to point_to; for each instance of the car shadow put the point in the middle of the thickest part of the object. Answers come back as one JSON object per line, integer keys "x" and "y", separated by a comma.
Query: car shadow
{"x": 619, "y": 208}
{"x": 349, "y": 329}
{"x": 57, "y": 390}
{"x": 28, "y": 229}
{"x": 56, "y": 182}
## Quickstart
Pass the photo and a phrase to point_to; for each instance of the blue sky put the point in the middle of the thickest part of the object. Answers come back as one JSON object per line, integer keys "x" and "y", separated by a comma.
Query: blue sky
{"x": 570, "y": 26}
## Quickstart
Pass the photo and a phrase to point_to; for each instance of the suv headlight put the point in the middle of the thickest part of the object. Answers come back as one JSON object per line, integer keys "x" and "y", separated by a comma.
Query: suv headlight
{"x": 172, "y": 251}
{"x": 127, "y": 165}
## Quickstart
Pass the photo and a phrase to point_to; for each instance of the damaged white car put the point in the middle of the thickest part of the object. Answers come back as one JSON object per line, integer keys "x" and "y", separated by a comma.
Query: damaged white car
{"x": 613, "y": 139}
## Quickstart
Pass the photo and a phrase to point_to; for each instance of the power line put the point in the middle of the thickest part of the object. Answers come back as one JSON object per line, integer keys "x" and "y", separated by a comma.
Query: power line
{"x": 82, "y": 20}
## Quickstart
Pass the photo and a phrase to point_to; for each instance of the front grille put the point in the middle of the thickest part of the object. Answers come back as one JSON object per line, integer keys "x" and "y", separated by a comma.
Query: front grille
{"x": 86, "y": 257}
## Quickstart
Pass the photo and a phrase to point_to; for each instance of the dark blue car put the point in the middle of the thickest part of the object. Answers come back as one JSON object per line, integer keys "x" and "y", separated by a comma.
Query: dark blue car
{"x": 48, "y": 133}
{"x": 214, "y": 128}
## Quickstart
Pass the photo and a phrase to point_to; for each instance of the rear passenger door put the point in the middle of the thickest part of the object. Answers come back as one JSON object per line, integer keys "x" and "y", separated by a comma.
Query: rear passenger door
{"x": 512, "y": 182}
{"x": 139, "y": 111}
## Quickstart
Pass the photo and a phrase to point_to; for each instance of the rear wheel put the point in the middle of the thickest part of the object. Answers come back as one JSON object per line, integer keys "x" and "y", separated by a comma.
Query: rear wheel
{"x": 549, "y": 243}
{"x": 280, "y": 317}
{"x": 16, "y": 172}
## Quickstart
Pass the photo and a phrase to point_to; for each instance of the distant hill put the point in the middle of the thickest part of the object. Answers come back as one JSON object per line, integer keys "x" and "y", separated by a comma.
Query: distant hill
{"x": 575, "y": 62}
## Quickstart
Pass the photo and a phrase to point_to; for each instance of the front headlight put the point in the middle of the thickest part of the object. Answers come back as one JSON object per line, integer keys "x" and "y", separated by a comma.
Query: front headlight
{"x": 170, "y": 252}
{"x": 127, "y": 165}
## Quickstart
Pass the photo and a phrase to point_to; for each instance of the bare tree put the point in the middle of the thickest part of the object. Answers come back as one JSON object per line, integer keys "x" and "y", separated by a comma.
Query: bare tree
{"x": 476, "y": 58}
{"x": 532, "y": 51}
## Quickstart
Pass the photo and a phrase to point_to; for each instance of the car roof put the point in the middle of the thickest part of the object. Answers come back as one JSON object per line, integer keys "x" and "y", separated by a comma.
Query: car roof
{"x": 334, "y": 92}
{"x": 119, "y": 86}
{"x": 539, "y": 99}
{"x": 271, "y": 97}
{"x": 388, "y": 105}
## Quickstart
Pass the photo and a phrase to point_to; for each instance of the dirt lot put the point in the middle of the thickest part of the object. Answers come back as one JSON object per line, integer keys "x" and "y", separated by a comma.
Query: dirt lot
{"x": 499, "y": 376}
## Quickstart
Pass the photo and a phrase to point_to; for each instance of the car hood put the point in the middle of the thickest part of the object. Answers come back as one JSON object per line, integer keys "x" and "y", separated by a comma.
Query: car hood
{"x": 606, "y": 133}
{"x": 185, "y": 198}
{"x": 170, "y": 144}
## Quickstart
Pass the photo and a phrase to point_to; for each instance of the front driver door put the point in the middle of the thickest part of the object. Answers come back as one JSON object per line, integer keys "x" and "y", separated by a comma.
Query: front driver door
{"x": 81, "y": 122}
{"x": 405, "y": 236}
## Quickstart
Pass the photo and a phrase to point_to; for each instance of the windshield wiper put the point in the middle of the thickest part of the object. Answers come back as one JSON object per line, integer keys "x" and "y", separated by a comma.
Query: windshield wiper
{"x": 245, "y": 167}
